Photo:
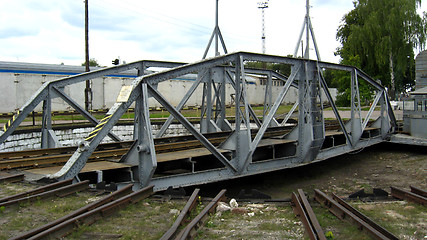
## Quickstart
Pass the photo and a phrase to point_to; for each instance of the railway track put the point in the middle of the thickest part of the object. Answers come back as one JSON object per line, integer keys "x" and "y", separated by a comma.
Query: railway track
{"x": 88, "y": 214}
{"x": 304, "y": 211}
{"x": 119, "y": 199}
{"x": 43, "y": 157}
{"x": 344, "y": 211}
{"x": 115, "y": 150}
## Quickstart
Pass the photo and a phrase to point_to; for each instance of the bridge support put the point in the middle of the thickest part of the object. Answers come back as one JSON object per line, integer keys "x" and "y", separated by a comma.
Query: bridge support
{"x": 247, "y": 148}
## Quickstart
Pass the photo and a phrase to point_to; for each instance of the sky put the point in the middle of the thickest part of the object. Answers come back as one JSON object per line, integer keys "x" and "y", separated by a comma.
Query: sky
{"x": 52, "y": 31}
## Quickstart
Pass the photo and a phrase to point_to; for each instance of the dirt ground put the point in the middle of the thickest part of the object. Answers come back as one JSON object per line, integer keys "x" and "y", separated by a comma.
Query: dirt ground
{"x": 380, "y": 166}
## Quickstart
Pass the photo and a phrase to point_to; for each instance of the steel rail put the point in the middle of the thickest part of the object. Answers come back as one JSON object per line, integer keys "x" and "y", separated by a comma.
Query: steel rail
{"x": 12, "y": 178}
{"x": 89, "y": 217}
{"x": 189, "y": 206}
{"x": 109, "y": 198}
{"x": 380, "y": 229}
{"x": 304, "y": 211}
{"x": 39, "y": 157}
{"x": 342, "y": 213}
{"x": 46, "y": 160}
{"x": 59, "y": 150}
{"x": 37, "y": 190}
{"x": 418, "y": 191}
{"x": 59, "y": 192}
{"x": 406, "y": 195}
{"x": 190, "y": 231}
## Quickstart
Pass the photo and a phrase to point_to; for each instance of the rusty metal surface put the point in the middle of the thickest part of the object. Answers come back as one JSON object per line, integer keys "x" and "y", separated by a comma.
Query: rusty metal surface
{"x": 406, "y": 195}
{"x": 93, "y": 215}
{"x": 89, "y": 167}
{"x": 312, "y": 217}
{"x": 418, "y": 191}
{"x": 164, "y": 148}
{"x": 380, "y": 229}
{"x": 109, "y": 198}
{"x": 46, "y": 160}
{"x": 299, "y": 211}
{"x": 189, "y": 232}
{"x": 58, "y": 192}
{"x": 189, "y": 206}
{"x": 12, "y": 178}
{"x": 37, "y": 190}
{"x": 342, "y": 213}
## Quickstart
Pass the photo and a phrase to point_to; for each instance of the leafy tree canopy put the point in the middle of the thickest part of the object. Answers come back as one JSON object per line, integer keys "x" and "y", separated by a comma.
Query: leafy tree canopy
{"x": 379, "y": 36}
{"x": 92, "y": 62}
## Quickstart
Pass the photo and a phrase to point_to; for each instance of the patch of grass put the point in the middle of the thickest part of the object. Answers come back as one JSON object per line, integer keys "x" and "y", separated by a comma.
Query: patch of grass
{"x": 400, "y": 218}
{"x": 271, "y": 222}
{"x": 148, "y": 219}
{"x": 30, "y": 215}
{"x": 339, "y": 229}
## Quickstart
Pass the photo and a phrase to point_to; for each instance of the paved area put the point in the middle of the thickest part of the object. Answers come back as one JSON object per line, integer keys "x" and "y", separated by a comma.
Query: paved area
{"x": 375, "y": 114}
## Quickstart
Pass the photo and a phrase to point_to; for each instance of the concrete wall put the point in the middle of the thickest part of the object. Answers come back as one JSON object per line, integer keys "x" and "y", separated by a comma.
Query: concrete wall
{"x": 18, "y": 88}
{"x": 71, "y": 137}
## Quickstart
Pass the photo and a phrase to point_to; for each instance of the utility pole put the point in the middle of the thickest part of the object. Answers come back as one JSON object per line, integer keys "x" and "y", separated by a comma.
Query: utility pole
{"x": 88, "y": 89}
{"x": 262, "y": 6}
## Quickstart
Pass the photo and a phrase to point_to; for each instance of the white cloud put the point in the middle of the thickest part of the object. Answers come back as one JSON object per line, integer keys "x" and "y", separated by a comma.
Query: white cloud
{"x": 53, "y": 31}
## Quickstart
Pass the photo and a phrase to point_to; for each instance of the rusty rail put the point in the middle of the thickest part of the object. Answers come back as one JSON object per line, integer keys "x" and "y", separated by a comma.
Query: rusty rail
{"x": 406, "y": 195}
{"x": 304, "y": 211}
{"x": 39, "y": 157}
{"x": 89, "y": 217}
{"x": 190, "y": 231}
{"x": 380, "y": 229}
{"x": 37, "y": 190}
{"x": 59, "y": 192}
{"x": 342, "y": 213}
{"x": 12, "y": 178}
{"x": 418, "y": 191}
{"x": 109, "y": 198}
{"x": 189, "y": 206}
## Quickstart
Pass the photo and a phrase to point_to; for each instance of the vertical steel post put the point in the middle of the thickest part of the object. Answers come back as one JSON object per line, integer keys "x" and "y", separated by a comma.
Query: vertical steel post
{"x": 48, "y": 139}
{"x": 310, "y": 120}
{"x": 356, "y": 119}
{"x": 145, "y": 146}
{"x": 216, "y": 29}
{"x": 307, "y": 29}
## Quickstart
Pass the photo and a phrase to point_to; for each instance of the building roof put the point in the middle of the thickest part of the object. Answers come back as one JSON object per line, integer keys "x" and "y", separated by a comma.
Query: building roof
{"x": 421, "y": 91}
{"x": 55, "y": 69}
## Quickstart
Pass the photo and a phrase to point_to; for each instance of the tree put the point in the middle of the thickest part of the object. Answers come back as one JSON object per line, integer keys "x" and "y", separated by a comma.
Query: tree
{"x": 284, "y": 69}
{"x": 379, "y": 36}
{"x": 92, "y": 62}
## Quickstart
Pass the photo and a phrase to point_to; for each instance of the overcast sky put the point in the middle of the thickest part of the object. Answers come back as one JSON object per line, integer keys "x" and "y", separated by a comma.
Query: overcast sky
{"x": 52, "y": 31}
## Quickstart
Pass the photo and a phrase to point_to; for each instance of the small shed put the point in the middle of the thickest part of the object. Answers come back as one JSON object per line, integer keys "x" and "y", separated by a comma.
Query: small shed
{"x": 415, "y": 113}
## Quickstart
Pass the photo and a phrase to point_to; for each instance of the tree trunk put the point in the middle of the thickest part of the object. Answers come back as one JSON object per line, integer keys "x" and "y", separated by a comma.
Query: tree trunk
{"x": 392, "y": 91}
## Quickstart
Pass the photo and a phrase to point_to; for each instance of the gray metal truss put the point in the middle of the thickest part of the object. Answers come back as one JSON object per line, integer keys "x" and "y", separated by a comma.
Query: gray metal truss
{"x": 305, "y": 142}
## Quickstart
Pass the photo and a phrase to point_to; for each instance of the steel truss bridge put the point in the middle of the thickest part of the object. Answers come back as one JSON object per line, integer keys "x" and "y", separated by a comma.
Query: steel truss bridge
{"x": 246, "y": 150}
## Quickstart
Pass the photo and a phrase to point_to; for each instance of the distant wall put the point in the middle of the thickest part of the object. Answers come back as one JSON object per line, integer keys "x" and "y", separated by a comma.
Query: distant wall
{"x": 18, "y": 88}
